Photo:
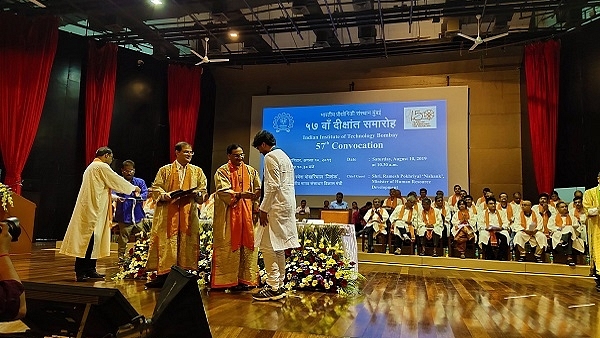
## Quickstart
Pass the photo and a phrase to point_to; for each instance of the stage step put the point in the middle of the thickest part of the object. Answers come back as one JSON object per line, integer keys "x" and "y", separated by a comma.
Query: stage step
{"x": 392, "y": 263}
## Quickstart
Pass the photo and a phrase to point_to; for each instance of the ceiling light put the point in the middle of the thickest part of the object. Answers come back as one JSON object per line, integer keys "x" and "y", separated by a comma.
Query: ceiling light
{"x": 156, "y": 2}
{"x": 233, "y": 34}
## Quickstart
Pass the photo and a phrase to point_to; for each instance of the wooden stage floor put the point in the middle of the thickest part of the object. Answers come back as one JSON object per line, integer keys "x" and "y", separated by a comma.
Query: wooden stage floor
{"x": 407, "y": 302}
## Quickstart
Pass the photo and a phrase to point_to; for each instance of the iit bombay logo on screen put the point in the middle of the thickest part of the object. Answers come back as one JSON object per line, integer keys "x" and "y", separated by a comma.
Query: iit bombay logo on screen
{"x": 283, "y": 121}
{"x": 420, "y": 117}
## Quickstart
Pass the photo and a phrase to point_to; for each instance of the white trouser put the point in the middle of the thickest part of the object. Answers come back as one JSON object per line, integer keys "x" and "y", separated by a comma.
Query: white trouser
{"x": 274, "y": 261}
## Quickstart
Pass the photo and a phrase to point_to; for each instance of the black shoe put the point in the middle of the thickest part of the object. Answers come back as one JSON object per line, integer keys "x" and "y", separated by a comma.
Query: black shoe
{"x": 81, "y": 278}
{"x": 371, "y": 250}
{"x": 94, "y": 275}
{"x": 539, "y": 260}
{"x": 434, "y": 254}
{"x": 269, "y": 294}
{"x": 521, "y": 259}
{"x": 570, "y": 262}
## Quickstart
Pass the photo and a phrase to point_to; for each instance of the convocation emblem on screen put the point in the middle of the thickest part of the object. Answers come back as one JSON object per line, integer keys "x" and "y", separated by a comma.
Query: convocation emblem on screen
{"x": 420, "y": 117}
{"x": 283, "y": 122}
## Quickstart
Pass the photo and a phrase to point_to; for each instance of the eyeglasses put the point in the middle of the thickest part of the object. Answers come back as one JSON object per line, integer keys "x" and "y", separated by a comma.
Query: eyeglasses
{"x": 130, "y": 171}
{"x": 188, "y": 152}
{"x": 242, "y": 155}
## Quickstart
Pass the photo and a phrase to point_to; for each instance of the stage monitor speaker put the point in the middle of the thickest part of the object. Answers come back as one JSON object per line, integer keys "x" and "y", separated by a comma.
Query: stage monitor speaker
{"x": 179, "y": 311}
{"x": 75, "y": 311}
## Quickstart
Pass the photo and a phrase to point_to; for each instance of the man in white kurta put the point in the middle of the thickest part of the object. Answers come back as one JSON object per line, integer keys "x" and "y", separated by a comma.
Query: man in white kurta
{"x": 375, "y": 221}
{"x": 493, "y": 231}
{"x": 403, "y": 221}
{"x": 277, "y": 215}
{"x": 528, "y": 228}
{"x": 565, "y": 233}
{"x": 429, "y": 226}
{"x": 88, "y": 234}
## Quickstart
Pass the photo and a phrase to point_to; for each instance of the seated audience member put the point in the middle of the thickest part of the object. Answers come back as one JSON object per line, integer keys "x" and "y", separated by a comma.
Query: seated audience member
{"x": 463, "y": 194}
{"x": 403, "y": 221}
{"x": 554, "y": 198}
{"x": 463, "y": 227}
{"x": 444, "y": 209}
{"x": 565, "y": 231}
{"x": 429, "y": 226}
{"x": 392, "y": 202}
{"x": 481, "y": 200}
{"x": 399, "y": 196}
{"x": 528, "y": 228}
{"x": 576, "y": 194}
{"x": 325, "y": 204}
{"x": 471, "y": 206}
{"x": 12, "y": 293}
{"x": 413, "y": 193}
{"x": 578, "y": 211}
{"x": 360, "y": 224}
{"x": 516, "y": 199}
{"x": 509, "y": 211}
{"x": 375, "y": 222}
{"x": 452, "y": 200}
{"x": 339, "y": 202}
{"x": 422, "y": 194}
{"x": 493, "y": 234}
{"x": 303, "y": 209}
{"x": 545, "y": 211}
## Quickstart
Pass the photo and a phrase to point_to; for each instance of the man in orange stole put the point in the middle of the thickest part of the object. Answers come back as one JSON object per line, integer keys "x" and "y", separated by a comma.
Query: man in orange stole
{"x": 175, "y": 226}
{"x": 235, "y": 259}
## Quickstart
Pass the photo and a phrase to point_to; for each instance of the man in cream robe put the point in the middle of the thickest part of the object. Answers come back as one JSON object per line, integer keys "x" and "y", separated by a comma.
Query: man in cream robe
{"x": 429, "y": 226}
{"x": 493, "y": 231}
{"x": 375, "y": 221}
{"x": 88, "y": 234}
{"x": 565, "y": 232}
{"x": 403, "y": 221}
{"x": 278, "y": 230}
{"x": 528, "y": 228}
{"x": 235, "y": 259}
{"x": 175, "y": 226}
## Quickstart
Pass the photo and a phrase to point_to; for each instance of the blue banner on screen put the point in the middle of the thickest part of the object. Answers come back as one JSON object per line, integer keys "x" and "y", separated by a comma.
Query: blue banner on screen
{"x": 364, "y": 149}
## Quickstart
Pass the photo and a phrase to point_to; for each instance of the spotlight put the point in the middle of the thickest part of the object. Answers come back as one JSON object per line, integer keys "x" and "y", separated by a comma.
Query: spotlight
{"x": 233, "y": 34}
{"x": 156, "y": 2}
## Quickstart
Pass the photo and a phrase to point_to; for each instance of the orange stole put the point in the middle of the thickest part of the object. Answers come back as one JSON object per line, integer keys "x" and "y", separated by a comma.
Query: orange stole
{"x": 493, "y": 238}
{"x": 559, "y": 220}
{"x": 454, "y": 200}
{"x": 509, "y": 210}
{"x": 411, "y": 228}
{"x": 240, "y": 213}
{"x": 391, "y": 202}
{"x": 178, "y": 211}
{"x": 524, "y": 220}
{"x": 428, "y": 218}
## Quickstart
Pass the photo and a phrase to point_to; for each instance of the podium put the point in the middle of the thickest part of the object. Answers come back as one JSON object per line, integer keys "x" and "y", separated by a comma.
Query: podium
{"x": 336, "y": 216}
{"x": 24, "y": 210}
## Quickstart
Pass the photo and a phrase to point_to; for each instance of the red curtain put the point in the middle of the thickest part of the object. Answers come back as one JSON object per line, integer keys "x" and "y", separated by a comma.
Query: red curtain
{"x": 100, "y": 82}
{"x": 184, "y": 104}
{"x": 27, "y": 49}
{"x": 542, "y": 61}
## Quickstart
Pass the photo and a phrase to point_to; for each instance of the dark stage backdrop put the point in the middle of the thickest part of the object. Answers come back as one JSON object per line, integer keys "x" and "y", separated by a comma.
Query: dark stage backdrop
{"x": 139, "y": 130}
{"x": 578, "y": 139}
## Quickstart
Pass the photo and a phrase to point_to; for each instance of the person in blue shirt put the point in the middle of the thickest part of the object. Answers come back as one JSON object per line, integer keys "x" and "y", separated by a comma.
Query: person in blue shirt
{"x": 339, "y": 202}
{"x": 129, "y": 212}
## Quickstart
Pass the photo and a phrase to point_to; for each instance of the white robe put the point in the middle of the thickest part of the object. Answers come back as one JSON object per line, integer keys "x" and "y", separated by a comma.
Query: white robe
{"x": 575, "y": 231}
{"x": 421, "y": 226}
{"x": 484, "y": 235}
{"x": 372, "y": 219}
{"x": 91, "y": 214}
{"x": 279, "y": 202}
{"x": 521, "y": 237}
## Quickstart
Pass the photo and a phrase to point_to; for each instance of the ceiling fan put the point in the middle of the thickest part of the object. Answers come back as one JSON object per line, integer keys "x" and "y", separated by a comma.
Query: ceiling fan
{"x": 205, "y": 59}
{"x": 478, "y": 40}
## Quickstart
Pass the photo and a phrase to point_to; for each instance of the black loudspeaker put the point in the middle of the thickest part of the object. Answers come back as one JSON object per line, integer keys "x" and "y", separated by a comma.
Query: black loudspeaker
{"x": 75, "y": 311}
{"x": 179, "y": 311}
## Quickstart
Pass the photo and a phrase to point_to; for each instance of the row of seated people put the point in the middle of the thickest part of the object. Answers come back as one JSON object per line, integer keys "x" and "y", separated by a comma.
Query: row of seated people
{"x": 494, "y": 227}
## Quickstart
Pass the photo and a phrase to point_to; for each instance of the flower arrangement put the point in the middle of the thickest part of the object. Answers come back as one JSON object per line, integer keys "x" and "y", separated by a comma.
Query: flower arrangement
{"x": 319, "y": 264}
{"x": 5, "y": 196}
{"x": 133, "y": 265}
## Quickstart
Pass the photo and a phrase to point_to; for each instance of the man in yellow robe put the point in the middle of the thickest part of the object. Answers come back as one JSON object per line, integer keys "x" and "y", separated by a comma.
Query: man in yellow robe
{"x": 235, "y": 259}
{"x": 175, "y": 226}
{"x": 591, "y": 203}
{"x": 88, "y": 234}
